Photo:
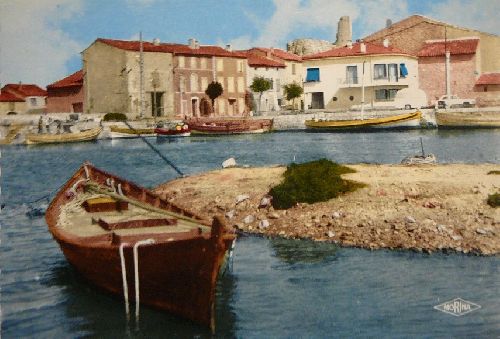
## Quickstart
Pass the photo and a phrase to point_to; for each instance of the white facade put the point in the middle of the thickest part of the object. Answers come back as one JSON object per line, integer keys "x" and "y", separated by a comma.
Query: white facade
{"x": 272, "y": 99}
{"x": 341, "y": 80}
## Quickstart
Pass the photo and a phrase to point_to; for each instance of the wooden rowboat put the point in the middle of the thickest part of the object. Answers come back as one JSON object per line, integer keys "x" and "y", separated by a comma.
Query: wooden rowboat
{"x": 172, "y": 130}
{"x": 87, "y": 135}
{"x": 399, "y": 120}
{"x": 229, "y": 126}
{"x": 123, "y": 238}
{"x": 125, "y": 132}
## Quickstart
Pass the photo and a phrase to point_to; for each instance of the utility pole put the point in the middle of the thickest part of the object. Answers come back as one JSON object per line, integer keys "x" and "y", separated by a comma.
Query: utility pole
{"x": 141, "y": 75}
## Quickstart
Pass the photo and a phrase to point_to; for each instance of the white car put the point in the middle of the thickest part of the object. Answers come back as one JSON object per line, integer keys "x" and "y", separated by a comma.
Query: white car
{"x": 454, "y": 101}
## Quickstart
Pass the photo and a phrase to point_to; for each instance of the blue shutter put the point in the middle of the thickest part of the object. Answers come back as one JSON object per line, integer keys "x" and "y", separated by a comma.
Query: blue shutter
{"x": 312, "y": 74}
{"x": 403, "y": 71}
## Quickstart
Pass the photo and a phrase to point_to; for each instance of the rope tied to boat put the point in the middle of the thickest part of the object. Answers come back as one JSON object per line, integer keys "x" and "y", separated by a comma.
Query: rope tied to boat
{"x": 136, "y": 276}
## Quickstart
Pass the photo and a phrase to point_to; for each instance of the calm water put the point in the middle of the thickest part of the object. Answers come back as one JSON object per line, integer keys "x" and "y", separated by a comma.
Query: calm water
{"x": 276, "y": 288}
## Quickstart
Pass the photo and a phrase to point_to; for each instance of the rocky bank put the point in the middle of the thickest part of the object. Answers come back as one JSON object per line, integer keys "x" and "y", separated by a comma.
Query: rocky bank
{"x": 422, "y": 208}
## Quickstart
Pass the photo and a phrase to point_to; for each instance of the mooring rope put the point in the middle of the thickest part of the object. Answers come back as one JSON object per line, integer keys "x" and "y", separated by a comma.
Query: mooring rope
{"x": 156, "y": 150}
{"x": 136, "y": 273}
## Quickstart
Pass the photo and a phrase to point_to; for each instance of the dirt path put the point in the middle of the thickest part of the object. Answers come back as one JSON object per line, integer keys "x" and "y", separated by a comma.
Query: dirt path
{"x": 424, "y": 208}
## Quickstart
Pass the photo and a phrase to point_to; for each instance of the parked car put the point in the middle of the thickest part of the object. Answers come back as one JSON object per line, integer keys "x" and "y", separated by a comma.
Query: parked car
{"x": 454, "y": 101}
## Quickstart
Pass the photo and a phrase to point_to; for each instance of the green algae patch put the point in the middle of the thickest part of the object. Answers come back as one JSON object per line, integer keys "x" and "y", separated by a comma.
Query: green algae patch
{"x": 494, "y": 200}
{"x": 311, "y": 182}
{"x": 494, "y": 172}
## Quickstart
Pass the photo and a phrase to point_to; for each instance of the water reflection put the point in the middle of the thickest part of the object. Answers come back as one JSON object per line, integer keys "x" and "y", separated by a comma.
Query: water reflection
{"x": 303, "y": 251}
{"x": 90, "y": 311}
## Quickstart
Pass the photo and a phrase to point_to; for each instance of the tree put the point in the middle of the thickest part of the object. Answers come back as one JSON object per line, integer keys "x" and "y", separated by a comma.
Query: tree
{"x": 293, "y": 91}
{"x": 260, "y": 85}
{"x": 214, "y": 90}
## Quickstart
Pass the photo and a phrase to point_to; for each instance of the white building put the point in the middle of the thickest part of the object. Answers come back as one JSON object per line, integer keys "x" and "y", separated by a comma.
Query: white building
{"x": 339, "y": 78}
{"x": 272, "y": 70}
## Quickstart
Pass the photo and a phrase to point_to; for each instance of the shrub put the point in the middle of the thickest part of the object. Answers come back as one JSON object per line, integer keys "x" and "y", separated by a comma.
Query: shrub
{"x": 312, "y": 182}
{"x": 114, "y": 117}
{"x": 494, "y": 200}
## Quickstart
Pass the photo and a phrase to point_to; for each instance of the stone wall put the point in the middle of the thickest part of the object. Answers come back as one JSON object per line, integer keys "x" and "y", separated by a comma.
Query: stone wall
{"x": 308, "y": 46}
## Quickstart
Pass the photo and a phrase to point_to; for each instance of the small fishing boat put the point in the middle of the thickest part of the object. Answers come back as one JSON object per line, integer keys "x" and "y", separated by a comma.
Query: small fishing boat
{"x": 127, "y": 132}
{"x": 48, "y": 138}
{"x": 172, "y": 130}
{"x": 405, "y": 120}
{"x": 126, "y": 240}
{"x": 468, "y": 118}
{"x": 229, "y": 126}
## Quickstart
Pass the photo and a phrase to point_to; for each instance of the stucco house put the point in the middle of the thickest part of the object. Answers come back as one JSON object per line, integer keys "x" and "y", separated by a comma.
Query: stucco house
{"x": 292, "y": 71}
{"x": 12, "y": 95}
{"x": 66, "y": 95}
{"x": 175, "y": 77}
{"x": 271, "y": 70}
{"x": 487, "y": 89}
{"x": 473, "y": 53}
{"x": 338, "y": 78}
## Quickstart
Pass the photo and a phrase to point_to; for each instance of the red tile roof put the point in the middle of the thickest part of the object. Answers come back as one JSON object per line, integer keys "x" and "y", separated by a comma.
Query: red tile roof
{"x": 255, "y": 60}
{"x": 9, "y": 97}
{"x": 489, "y": 79}
{"x": 355, "y": 50}
{"x": 25, "y": 90}
{"x": 455, "y": 46}
{"x": 202, "y": 50}
{"x": 73, "y": 80}
{"x": 284, "y": 55}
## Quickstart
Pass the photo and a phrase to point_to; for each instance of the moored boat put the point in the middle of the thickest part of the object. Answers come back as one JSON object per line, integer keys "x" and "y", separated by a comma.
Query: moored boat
{"x": 172, "y": 130}
{"x": 123, "y": 238}
{"x": 126, "y": 132}
{"x": 406, "y": 120}
{"x": 48, "y": 138}
{"x": 229, "y": 125}
{"x": 468, "y": 118}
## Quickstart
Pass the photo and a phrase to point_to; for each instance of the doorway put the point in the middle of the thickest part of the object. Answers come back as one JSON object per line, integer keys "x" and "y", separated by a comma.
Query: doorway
{"x": 157, "y": 104}
{"x": 317, "y": 101}
{"x": 195, "y": 110}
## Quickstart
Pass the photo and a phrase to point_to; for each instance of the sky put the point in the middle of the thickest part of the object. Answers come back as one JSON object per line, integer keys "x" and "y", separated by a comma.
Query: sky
{"x": 41, "y": 40}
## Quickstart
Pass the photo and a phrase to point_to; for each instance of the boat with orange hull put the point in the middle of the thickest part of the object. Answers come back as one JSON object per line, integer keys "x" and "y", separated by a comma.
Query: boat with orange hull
{"x": 123, "y": 238}
{"x": 229, "y": 125}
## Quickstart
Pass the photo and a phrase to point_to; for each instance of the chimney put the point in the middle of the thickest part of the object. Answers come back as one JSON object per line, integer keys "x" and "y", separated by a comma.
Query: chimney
{"x": 344, "y": 32}
{"x": 386, "y": 42}
{"x": 229, "y": 47}
{"x": 192, "y": 43}
{"x": 196, "y": 44}
{"x": 388, "y": 23}
{"x": 362, "y": 47}
{"x": 156, "y": 42}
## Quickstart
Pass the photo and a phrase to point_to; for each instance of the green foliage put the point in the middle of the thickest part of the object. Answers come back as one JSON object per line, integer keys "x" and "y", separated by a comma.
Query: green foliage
{"x": 293, "y": 91}
{"x": 214, "y": 90}
{"x": 114, "y": 117}
{"x": 494, "y": 172}
{"x": 260, "y": 85}
{"x": 494, "y": 200}
{"x": 312, "y": 182}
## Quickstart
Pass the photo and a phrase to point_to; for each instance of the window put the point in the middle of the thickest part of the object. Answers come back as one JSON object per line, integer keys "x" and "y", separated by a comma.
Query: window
{"x": 194, "y": 82}
{"x": 182, "y": 83}
{"x": 240, "y": 66}
{"x": 352, "y": 75}
{"x": 220, "y": 65}
{"x": 312, "y": 74}
{"x": 385, "y": 94}
{"x": 379, "y": 71}
{"x": 271, "y": 82}
{"x": 351, "y": 98}
{"x": 241, "y": 85}
{"x": 278, "y": 84}
{"x": 230, "y": 84}
{"x": 181, "y": 62}
{"x": 193, "y": 62}
{"x": 393, "y": 72}
{"x": 204, "y": 83}
{"x": 293, "y": 69}
{"x": 403, "y": 71}
{"x": 33, "y": 101}
{"x": 203, "y": 63}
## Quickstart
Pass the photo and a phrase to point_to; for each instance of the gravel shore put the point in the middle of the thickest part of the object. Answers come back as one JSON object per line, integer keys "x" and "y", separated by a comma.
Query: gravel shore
{"x": 422, "y": 208}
